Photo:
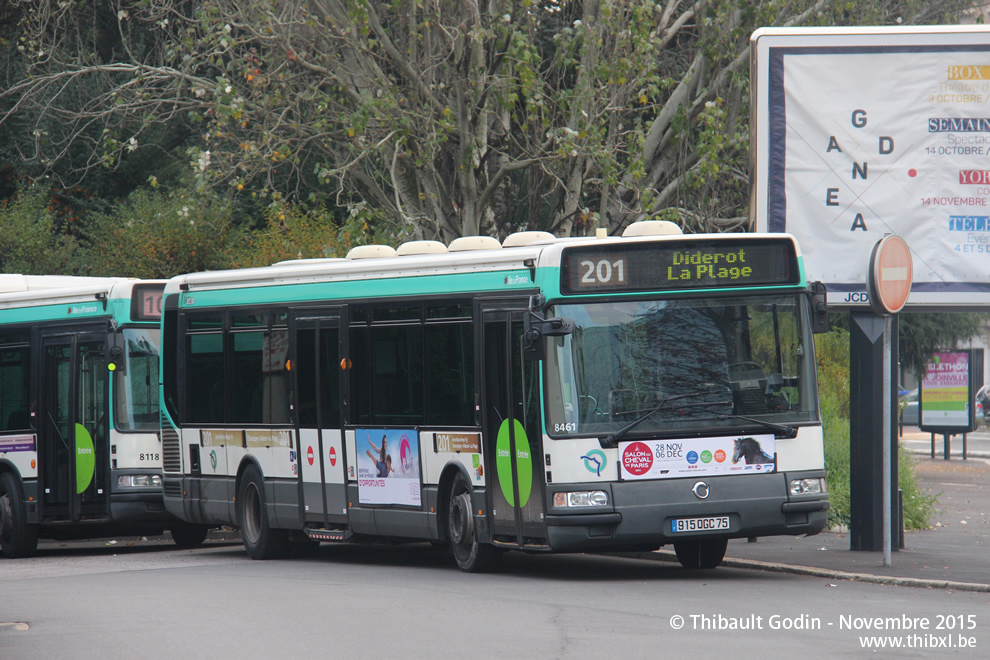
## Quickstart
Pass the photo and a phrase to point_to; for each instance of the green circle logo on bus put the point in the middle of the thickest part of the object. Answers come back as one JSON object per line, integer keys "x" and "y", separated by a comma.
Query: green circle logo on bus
{"x": 85, "y": 459}
{"x": 523, "y": 467}
{"x": 595, "y": 461}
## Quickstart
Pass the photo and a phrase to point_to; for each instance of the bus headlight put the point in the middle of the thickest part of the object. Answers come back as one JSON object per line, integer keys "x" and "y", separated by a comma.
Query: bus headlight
{"x": 139, "y": 481}
{"x": 807, "y": 486}
{"x": 581, "y": 498}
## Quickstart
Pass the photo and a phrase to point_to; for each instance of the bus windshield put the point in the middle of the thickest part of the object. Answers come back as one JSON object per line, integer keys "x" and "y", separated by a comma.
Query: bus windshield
{"x": 692, "y": 364}
{"x": 136, "y": 383}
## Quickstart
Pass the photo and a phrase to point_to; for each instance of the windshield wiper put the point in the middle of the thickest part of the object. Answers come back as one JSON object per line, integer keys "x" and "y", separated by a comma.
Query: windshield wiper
{"x": 612, "y": 439}
{"x": 780, "y": 430}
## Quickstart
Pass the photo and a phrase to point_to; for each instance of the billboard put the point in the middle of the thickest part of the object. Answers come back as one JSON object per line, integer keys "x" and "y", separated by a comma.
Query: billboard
{"x": 862, "y": 132}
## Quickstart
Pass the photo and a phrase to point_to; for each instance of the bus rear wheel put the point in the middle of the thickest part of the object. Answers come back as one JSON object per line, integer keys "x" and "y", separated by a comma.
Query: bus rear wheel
{"x": 470, "y": 555}
{"x": 260, "y": 540}
{"x": 17, "y": 537}
{"x": 706, "y": 553}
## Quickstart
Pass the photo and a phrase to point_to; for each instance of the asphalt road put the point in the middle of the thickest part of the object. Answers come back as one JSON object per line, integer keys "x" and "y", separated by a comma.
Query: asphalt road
{"x": 146, "y": 599}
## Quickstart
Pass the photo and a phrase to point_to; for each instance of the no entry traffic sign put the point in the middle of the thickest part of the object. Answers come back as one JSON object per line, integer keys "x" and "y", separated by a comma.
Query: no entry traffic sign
{"x": 888, "y": 280}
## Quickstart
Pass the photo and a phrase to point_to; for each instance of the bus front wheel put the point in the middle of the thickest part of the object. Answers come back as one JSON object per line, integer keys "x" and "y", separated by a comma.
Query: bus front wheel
{"x": 17, "y": 537}
{"x": 260, "y": 540}
{"x": 470, "y": 555}
{"x": 707, "y": 553}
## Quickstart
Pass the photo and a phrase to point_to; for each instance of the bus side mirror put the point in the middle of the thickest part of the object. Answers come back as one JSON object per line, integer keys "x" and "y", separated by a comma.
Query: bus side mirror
{"x": 819, "y": 308}
{"x": 535, "y": 328}
{"x": 116, "y": 361}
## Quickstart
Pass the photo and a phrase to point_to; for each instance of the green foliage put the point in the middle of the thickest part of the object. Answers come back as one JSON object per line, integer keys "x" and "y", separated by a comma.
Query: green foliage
{"x": 833, "y": 382}
{"x": 291, "y": 232}
{"x": 159, "y": 234}
{"x": 919, "y": 334}
{"x": 920, "y": 505}
{"x": 832, "y": 352}
{"x": 30, "y": 243}
{"x": 438, "y": 118}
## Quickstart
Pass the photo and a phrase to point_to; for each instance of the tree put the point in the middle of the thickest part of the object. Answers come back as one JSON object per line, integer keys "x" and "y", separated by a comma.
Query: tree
{"x": 920, "y": 334}
{"x": 448, "y": 117}
{"x": 30, "y": 243}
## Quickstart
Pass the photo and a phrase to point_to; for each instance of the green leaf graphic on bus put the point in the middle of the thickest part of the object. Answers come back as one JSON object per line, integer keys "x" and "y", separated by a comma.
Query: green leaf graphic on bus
{"x": 85, "y": 459}
{"x": 523, "y": 463}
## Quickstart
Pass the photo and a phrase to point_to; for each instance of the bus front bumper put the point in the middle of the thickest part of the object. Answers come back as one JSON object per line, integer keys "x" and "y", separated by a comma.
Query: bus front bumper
{"x": 641, "y": 514}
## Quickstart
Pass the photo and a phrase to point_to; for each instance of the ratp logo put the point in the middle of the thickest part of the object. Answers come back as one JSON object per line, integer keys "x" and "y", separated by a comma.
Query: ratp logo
{"x": 595, "y": 461}
{"x": 213, "y": 459}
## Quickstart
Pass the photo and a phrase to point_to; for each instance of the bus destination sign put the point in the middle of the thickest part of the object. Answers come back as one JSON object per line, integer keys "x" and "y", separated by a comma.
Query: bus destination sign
{"x": 678, "y": 265}
{"x": 146, "y": 302}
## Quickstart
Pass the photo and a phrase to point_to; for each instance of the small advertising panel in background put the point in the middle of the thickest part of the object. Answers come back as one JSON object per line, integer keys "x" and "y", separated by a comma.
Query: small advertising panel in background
{"x": 946, "y": 396}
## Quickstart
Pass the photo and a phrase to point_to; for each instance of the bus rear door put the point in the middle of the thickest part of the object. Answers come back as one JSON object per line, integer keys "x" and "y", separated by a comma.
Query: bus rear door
{"x": 316, "y": 338}
{"x": 510, "y": 417}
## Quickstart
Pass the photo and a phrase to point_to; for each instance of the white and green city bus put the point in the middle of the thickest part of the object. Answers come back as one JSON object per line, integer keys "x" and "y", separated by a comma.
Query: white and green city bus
{"x": 80, "y": 449}
{"x": 584, "y": 394}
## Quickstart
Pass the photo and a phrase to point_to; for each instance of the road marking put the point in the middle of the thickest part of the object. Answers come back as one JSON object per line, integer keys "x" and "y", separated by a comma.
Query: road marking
{"x": 13, "y": 626}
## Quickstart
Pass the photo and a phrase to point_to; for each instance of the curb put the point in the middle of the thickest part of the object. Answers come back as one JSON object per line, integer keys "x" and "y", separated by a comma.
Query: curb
{"x": 773, "y": 567}
{"x": 955, "y": 457}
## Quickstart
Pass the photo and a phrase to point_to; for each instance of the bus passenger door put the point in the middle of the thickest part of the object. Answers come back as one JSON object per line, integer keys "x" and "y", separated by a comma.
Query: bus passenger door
{"x": 511, "y": 421}
{"x": 73, "y": 429}
{"x": 316, "y": 387}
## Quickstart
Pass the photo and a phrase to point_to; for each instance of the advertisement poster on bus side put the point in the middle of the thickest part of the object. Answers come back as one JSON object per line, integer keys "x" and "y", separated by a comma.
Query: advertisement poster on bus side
{"x": 388, "y": 466}
{"x": 686, "y": 457}
{"x": 944, "y": 397}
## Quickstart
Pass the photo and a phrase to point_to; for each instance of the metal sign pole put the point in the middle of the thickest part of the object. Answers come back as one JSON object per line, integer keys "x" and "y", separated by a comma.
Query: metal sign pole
{"x": 886, "y": 441}
{"x": 889, "y": 284}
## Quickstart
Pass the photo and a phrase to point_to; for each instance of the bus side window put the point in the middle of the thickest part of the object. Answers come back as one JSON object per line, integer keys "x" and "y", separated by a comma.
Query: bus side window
{"x": 204, "y": 378}
{"x": 397, "y": 374}
{"x": 449, "y": 374}
{"x": 15, "y": 375}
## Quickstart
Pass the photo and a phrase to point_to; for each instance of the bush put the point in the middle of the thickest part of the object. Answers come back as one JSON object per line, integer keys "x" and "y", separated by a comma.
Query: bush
{"x": 833, "y": 381}
{"x": 155, "y": 234}
{"x": 291, "y": 232}
{"x": 29, "y": 241}
{"x": 920, "y": 505}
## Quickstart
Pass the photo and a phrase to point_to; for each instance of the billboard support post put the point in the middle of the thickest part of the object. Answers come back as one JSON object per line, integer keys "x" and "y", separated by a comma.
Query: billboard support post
{"x": 866, "y": 431}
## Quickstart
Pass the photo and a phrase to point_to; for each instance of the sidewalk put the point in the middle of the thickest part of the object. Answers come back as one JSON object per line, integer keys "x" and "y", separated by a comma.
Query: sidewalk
{"x": 954, "y": 553}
